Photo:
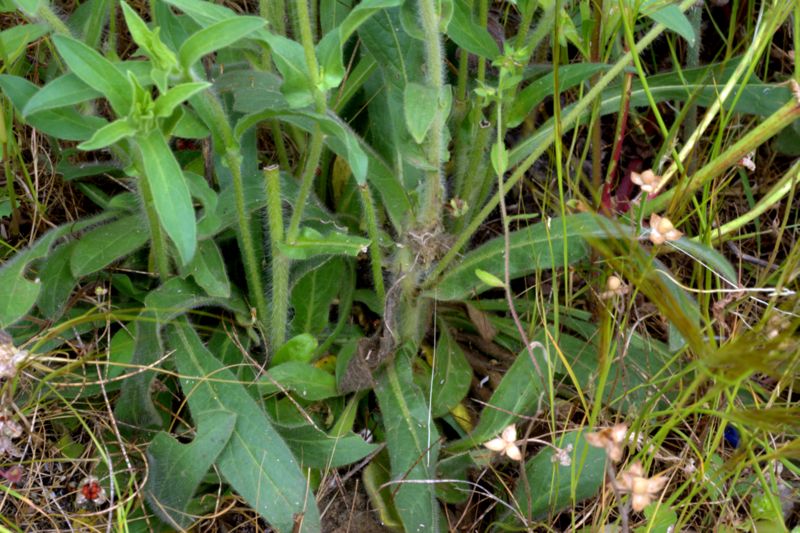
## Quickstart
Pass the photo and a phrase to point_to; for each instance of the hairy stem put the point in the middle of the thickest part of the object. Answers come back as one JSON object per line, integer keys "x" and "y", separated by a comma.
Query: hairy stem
{"x": 375, "y": 245}
{"x": 434, "y": 188}
{"x": 279, "y": 262}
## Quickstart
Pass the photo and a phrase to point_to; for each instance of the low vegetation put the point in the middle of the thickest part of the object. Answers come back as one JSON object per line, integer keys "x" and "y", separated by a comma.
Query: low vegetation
{"x": 397, "y": 265}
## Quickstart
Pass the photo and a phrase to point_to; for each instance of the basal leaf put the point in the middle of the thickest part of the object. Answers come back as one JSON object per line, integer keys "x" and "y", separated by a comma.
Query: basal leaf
{"x": 552, "y": 486}
{"x": 412, "y": 440}
{"x": 101, "y": 246}
{"x": 299, "y": 348}
{"x": 57, "y": 281}
{"x": 256, "y": 461}
{"x": 313, "y": 295}
{"x": 317, "y": 449}
{"x": 308, "y": 381}
{"x": 208, "y": 270}
{"x": 176, "y": 470}
{"x": 14, "y": 40}
{"x": 552, "y": 244}
{"x": 451, "y": 375}
{"x": 518, "y": 394}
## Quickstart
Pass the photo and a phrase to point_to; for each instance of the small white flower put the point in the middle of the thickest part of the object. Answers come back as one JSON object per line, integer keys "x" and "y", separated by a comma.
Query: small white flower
{"x": 614, "y": 287}
{"x": 642, "y": 489}
{"x": 647, "y": 180}
{"x": 506, "y": 444}
{"x": 661, "y": 229}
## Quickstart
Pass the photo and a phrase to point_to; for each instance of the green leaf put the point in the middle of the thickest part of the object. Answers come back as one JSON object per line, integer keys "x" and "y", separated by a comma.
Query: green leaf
{"x": 256, "y": 461}
{"x": 176, "y": 470}
{"x": 518, "y": 394}
{"x": 175, "y": 96}
{"x": 348, "y": 144}
{"x": 452, "y": 375}
{"x": 710, "y": 258}
{"x": 20, "y": 293}
{"x": 540, "y": 246}
{"x": 361, "y": 13}
{"x": 65, "y": 124}
{"x": 14, "y": 40}
{"x": 290, "y": 59}
{"x": 673, "y": 18}
{"x": 311, "y": 243}
{"x": 552, "y": 487}
{"x": 216, "y": 36}
{"x": 489, "y": 279}
{"x": 109, "y": 134}
{"x": 177, "y": 295}
{"x": 412, "y": 440}
{"x": 63, "y": 91}
{"x": 470, "y": 36}
{"x": 499, "y": 157}
{"x": 57, "y": 281}
{"x": 171, "y": 197}
{"x": 103, "y": 245}
{"x": 299, "y": 348}
{"x": 313, "y": 295}
{"x": 207, "y": 267}
{"x": 420, "y": 106}
{"x": 317, "y": 449}
{"x": 308, "y": 381}
{"x": 531, "y": 96}
{"x": 97, "y": 72}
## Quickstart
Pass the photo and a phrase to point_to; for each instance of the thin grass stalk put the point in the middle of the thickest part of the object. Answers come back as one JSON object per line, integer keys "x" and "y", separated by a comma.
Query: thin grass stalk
{"x": 693, "y": 60}
{"x": 577, "y": 111}
{"x": 747, "y": 63}
{"x": 279, "y": 264}
{"x": 730, "y": 157}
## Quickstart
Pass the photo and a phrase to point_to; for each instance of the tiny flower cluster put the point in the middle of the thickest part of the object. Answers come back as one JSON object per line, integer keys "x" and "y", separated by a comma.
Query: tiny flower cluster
{"x": 632, "y": 481}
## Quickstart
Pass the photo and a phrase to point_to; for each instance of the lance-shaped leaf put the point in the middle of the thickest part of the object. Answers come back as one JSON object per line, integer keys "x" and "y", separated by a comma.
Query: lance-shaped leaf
{"x": 469, "y": 35}
{"x": 97, "y": 72}
{"x": 216, "y": 36}
{"x": 551, "y": 244}
{"x": 103, "y": 245}
{"x": 169, "y": 191}
{"x": 65, "y": 123}
{"x": 311, "y": 243}
{"x": 256, "y": 461}
{"x": 412, "y": 441}
{"x": 109, "y": 134}
{"x": 176, "y": 470}
{"x": 167, "y": 102}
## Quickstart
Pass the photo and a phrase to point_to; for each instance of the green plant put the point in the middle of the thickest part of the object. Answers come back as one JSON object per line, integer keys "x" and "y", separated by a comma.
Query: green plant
{"x": 220, "y": 399}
